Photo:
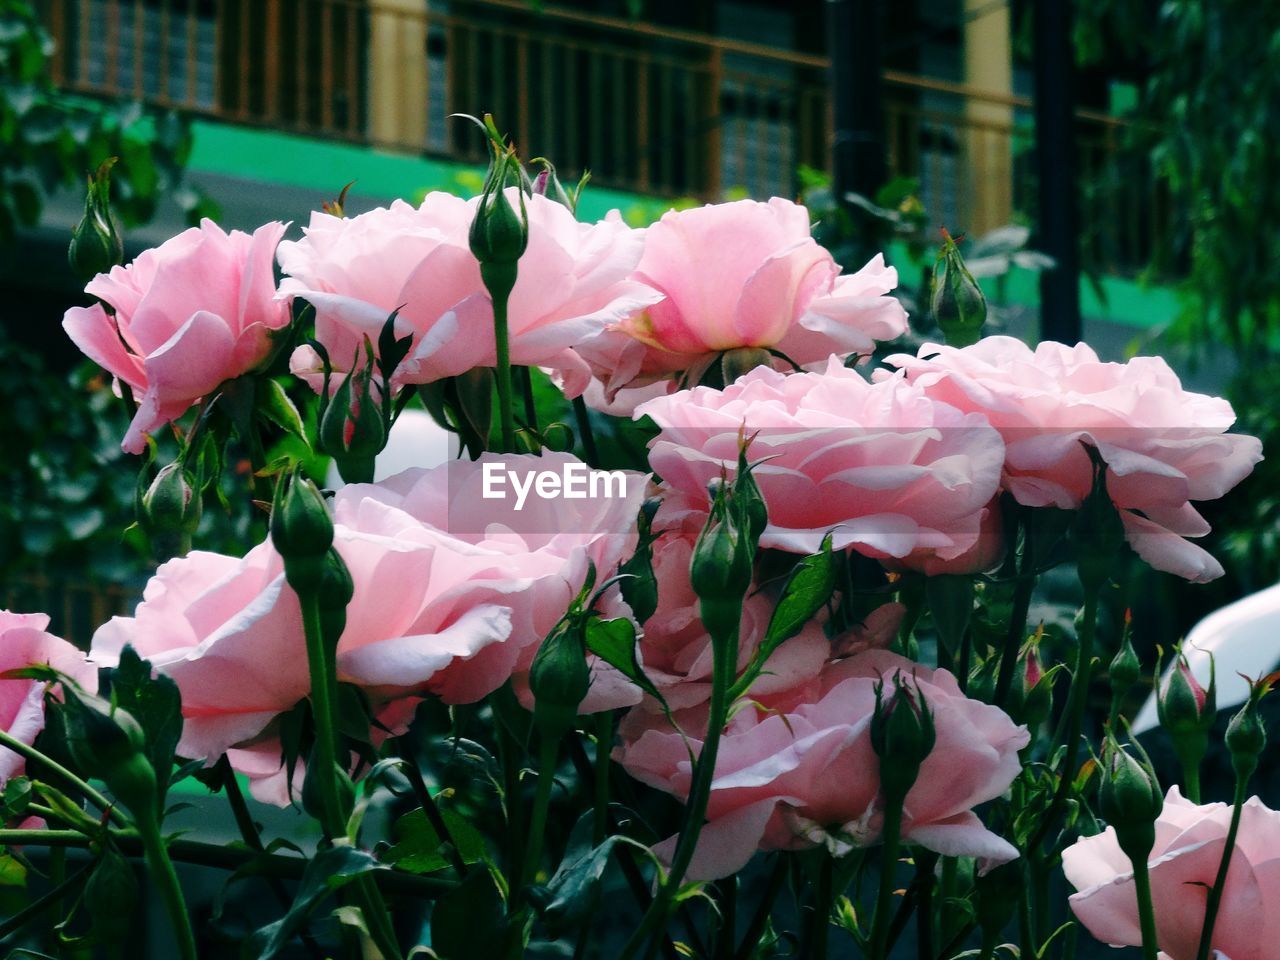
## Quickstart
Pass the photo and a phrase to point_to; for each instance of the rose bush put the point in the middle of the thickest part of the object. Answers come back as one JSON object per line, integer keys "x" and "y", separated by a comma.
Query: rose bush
{"x": 801, "y": 619}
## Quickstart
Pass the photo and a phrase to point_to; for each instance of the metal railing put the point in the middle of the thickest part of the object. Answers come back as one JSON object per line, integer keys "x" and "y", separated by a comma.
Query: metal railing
{"x": 654, "y": 110}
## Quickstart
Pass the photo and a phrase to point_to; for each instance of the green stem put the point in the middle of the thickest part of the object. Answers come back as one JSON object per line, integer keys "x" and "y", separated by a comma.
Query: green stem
{"x": 217, "y": 857}
{"x": 723, "y": 663}
{"x": 821, "y": 917}
{"x": 324, "y": 696}
{"x": 727, "y": 895}
{"x": 925, "y": 863}
{"x": 1224, "y": 867}
{"x": 604, "y": 740}
{"x": 1191, "y": 781}
{"x": 1077, "y": 700}
{"x": 888, "y": 861}
{"x": 165, "y": 878}
{"x": 548, "y": 752}
{"x": 530, "y": 406}
{"x": 502, "y": 340}
{"x": 1022, "y": 593}
{"x": 588, "y": 437}
{"x": 429, "y": 807}
{"x": 81, "y": 786}
{"x": 1146, "y": 912}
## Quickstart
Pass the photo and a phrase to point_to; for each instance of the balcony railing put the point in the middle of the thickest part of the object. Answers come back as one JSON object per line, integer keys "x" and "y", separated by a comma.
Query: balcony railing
{"x": 648, "y": 109}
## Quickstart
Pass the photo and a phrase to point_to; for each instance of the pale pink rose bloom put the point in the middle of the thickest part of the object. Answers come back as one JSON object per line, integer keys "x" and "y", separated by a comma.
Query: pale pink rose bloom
{"x": 798, "y": 769}
{"x": 573, "y": 279}
{"x": 24, "y": 642}
{"x": 886, "y": 469}
{"x": 1164, "y": 446}
{"x": 189, "y": 314}
{"x": 1183, "y": 864}
{"x": 443, "y": 605}
{"x": 743, "y": 274}
{"x": 984, "y": 556}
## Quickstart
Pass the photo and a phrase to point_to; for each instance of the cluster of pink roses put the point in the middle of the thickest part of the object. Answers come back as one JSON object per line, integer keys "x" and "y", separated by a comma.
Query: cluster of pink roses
{"x": 905, "y": 467}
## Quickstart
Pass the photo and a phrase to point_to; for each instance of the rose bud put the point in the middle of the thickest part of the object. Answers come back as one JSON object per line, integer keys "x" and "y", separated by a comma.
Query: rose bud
{"x": 108, "y": 744}
{"x": 1125, "y": 669}
{"x": 902, "y": 733}
{"x": 96, "y": 245}
{"x": 352, "y": 430}
{"x": 955, "y": 299}
{"x": 169, "y": 511}
{"x": 1247, "y": 734}
{"x": 1187, "y": 712}
{"x": 1129, "y": 798}
{"x": 559, "y": 679}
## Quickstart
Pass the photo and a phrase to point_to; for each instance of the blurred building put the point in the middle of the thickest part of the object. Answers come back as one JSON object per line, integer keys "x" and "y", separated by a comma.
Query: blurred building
{"x": 700, "y": 98}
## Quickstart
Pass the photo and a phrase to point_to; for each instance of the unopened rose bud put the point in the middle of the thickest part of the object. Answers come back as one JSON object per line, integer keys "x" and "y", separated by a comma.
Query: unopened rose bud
{"x": 1247, "y": 734}
{"x": 1125, "y": 669}
{"x": 301, "y": 530}
{"x": 108, "y": 744}
{"x": 1031, "y": 696}
{"x": 499, "y": 235}
{"x": 1129, "y": 798}
{"x": 559, "y": 679}
{"x": 169, "y": 510}
{"x": 352, "y": 429}
{"x": 720, "y": 568}
{"x": 748, "y": 498}
{"x": 902, "y": 735}
{"x": 335, "y": 593}
{"x": 955, "y": 299}
{"x": 1098, "y": 532}
{"x": 1187, "y": 711}
{"x": 547, "y": 184}
{"x": 639, "y": 584}
{"x": 96, "y": 244}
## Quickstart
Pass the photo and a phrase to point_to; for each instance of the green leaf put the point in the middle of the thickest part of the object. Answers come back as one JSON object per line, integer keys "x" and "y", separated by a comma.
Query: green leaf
{"x": 329, "y": 870}
{"x": 274, "y": 405}
{"x": 807, "y": 590}
{"x": 573, "y": 892}
{"x": 154, "y": 701}
{"x": 12, "y": 872}
{"x": 614, "y": 642}
{"x": 418, "y": 846}
{"x": 471, "y": 920}
{"x": 111, "y": 897}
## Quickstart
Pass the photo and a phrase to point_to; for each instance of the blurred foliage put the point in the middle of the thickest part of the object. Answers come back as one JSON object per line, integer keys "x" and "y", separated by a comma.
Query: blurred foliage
{"x": 49, "y": 139}
{"x": 1206, "y": 115}
{"x": 67, "y": 505}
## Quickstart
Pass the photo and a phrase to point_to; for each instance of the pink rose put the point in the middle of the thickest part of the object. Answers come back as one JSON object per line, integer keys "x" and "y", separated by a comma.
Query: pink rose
{"x": 572, "y": 280}
{"x": 24, "y": 643}
{"x": 196, "y": 311}
{"x": 744, "y": 274}
{"x": 443, "y": 605}
{"x": 1164, "y": 446}
{"x": 801, "y": 772}
{"x": 1183, "y": 865}
{"x": 884, "y": 467}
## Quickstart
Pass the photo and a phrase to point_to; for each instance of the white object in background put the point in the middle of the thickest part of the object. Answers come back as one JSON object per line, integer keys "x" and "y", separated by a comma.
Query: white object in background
{"x": 1243, "y": 638}
{"x": 416, "y": 441}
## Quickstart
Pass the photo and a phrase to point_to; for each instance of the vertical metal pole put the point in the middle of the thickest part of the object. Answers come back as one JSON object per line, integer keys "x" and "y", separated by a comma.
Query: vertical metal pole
{"x": 1058, "y": 230}
{"x": 855, "y": 34}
